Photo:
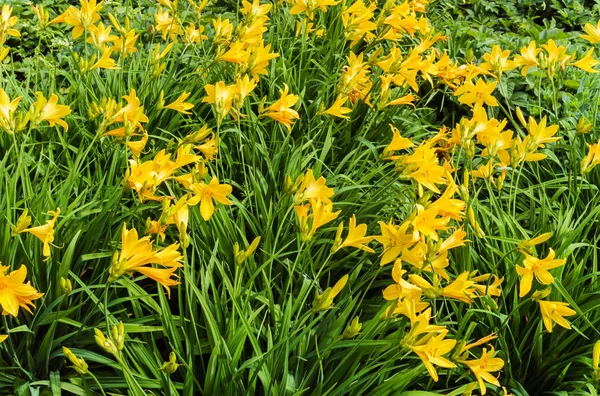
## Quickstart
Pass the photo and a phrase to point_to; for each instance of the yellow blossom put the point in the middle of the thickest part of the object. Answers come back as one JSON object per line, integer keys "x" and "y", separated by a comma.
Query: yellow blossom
{"x": 45, "y": 233}
{"x": 555, "y": 312}
{"x": 497, "y": 61}
{"x": 528, "y": 57}
{"x": 14, "y": 292}
{"x": 338, "y": 109}
{"x": 7, "y": 21}
{"x": 7, "y": 110}
{"x": 431, "y": 353}
{"x": 243, "y": 87}
{"x": 180, "y": 104}
{"x": 477, "y": 94}
{"x": 282, "y": 110}
{"x": 533, "y": 266}
{"x": 206, "y": 193}
{"x": 311, "y": 188}
{"x": 137, "y": 254}
{"x": 221, "y": 96}
{"x": 593, "y": 33}
{"x": 485, "y": 365}
{"x": 324, "y": 301}
{"x": 100, "y": 36}
{"x": 167, "y": 24}
{"x": 193, "y": 35}
{"x": 591, "y": 159}
{"x": 587, "y": 63}
{"x": 80, "y": 18}
{"x": 355, "y": 238}
{"x": 398, "y": 143}
{"x": 395, "y": 239}
{"x": 49, "y": 110}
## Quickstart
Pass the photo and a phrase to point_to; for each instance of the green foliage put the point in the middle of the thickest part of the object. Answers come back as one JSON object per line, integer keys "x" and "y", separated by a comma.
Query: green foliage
{"x": 251, "y": 328}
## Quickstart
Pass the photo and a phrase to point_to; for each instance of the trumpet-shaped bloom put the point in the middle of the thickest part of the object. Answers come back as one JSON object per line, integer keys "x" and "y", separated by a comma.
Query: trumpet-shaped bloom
{"x": 461, "y": 289}
{"x": 432, "y": 353}
{"x": 356, "y": 236}
{"x": 587, "y": 63}
{"x": 259, "y": 58}
{"x": 206, "y": 193}
{"x": 49, "y": 110}
{"x": 282, "y": 110}
{"x": 14, "y": 293}
{"x": 593, "y": 33}
{"x": 7, "y": 21}
{"x": 221, "y": 96}
{"x": 478, "y": 94}
{"x": 338, "y": 109}
{"x": 180, "y": 104}
{"x": 7, "y": 109}
{"x": 166, "y": 24}
{"x": 80, "y": 18}
{"x": 485, "y": 365}
{"x": 591, "y": 159}
{"x": 311, "y": 188}
{"x": 528, "y": 57}
{"x": 533, "y": 266}
{"x": 45, "y": 233}
{"x": 497, "y": 61}
{"x": 555, "y": 312}
{"x": 313, "y": 215}
{"x": 137, "y": 254}
{"x": 395, "y": 239}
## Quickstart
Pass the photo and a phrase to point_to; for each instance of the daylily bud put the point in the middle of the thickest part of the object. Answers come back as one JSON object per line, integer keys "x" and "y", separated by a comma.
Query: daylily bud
{"x": 118, "y": 335}
{"x": 79, "y": 364}
{"x": 104, "y": 342}
{"x": 337, "y": 242}
{"x": 353, "y": 329}
{"x": 170, "y": 366}
{"x": 65, "y": 285}
{"x": 116, "y": 269}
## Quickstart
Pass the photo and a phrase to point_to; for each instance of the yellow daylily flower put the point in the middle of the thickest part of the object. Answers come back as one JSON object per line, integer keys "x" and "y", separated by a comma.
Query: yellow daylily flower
{"x": 587, "y": 63}
{"x": 338, "y": 109}
{"x": 534, "y": 267}
{"x": 180, "y": 105}
{"x": 485, "y": 365}
{"x": 431, "y": 353}
{"x": 137, "y": 254}
{"x": 15, "y": 293}
{"x": 555, "y": 312}
{"x": 324, "y": 301}
{"x": 45, "y": 233}
{"x": 206, "y": 193}
{"x": 282, "y": 111}
{"x": 478, "y": 94}
{"x": 355, "y": 238}
{"x": 49, "y": 110}
{"x": 593, "y": 33}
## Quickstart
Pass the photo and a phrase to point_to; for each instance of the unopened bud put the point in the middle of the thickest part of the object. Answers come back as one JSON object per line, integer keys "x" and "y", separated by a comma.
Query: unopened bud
{"x": 104, "y": 342}
{"x": 79, "y": 365}
{"x": 171, "y": 365}
{"x": 353, "y": 329}
{"x": 65, "y": 285}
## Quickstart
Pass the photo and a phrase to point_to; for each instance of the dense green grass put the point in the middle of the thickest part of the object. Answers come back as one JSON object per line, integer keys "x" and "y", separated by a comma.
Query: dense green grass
{"x": 251, "y": 328}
